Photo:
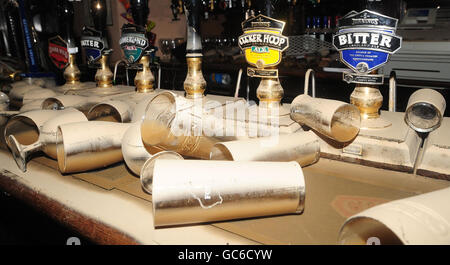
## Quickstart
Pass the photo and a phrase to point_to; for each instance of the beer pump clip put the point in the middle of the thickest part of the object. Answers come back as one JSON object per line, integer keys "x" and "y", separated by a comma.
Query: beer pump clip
{"x": 177, "y": 9}
{"x": 62, "y": 53}
{"x": 58, "y": 52}
{"x": 97, "y": 53}
{"x": 365, "y": 41}
{"x": 94, "y": 46}
{"x": 134, "y": 44}
{"x": 263, "y": 44}
{"x": 137, "y": 52}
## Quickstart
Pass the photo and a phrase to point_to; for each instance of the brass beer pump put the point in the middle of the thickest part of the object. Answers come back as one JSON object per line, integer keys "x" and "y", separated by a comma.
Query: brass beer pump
{"x": 136, "y": 46}
{"x": 195, "y": 83}
{"x": 369, "y": 100}
{"x": 144, "y": 80}
{"x": 72, "y": 73}
{"x": 263, "y": 44}
{"x": 103, "y": 76}
{"x": 269, "y": 92}
{"x": 365, "y": 41}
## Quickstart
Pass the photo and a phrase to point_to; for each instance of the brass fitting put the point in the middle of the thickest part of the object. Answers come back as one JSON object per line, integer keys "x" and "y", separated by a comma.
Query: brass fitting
{"x": 144, "y": 79}
{"x": 368, "y": 99}
{"x": 72, "y": 73}
{"x": 103, "y": 76}
{"x": 14, "y": 76}
{"x": 269, "y": 93}
{"x": 195, "y": 83}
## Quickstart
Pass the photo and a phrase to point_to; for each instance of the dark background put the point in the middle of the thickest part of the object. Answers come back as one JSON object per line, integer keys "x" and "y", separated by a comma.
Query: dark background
{"x": 22, "y": 225}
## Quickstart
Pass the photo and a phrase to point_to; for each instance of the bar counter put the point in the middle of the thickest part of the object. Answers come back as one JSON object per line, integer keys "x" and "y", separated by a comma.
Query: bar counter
{"x": 122, "y": 213}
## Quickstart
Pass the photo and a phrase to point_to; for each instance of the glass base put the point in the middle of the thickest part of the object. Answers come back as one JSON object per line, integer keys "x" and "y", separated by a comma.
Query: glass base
{"x": 373, "y": 124}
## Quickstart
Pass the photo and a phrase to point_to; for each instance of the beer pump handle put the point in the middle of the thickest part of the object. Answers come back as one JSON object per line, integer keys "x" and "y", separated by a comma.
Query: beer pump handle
{"x": 269, "y": 8}
{"x": 174, "y": 8}
{"x": 193, "y": 11}
{"x": 98, "y": 13}
{"x": 107, "y": 51}
{"x": 140, "y": 11}
{"x": 67, "y": 13}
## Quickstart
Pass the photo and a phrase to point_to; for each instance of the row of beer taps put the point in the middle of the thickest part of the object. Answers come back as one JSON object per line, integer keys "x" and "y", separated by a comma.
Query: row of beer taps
{"x": 256, "y": 170}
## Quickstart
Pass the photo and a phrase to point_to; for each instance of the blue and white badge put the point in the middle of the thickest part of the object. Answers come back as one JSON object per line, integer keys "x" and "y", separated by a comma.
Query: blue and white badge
{"x": 366, "y": 40}
{"x": 93, "y": 44}
{"x": 93, "y": 47}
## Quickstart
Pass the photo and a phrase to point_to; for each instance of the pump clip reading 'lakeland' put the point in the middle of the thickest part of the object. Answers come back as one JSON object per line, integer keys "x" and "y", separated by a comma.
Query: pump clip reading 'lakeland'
{"x": 133, "y": 42}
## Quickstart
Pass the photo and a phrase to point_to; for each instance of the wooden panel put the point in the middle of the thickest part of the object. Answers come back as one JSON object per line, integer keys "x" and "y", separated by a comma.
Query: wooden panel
{"x": 92, "y": 229}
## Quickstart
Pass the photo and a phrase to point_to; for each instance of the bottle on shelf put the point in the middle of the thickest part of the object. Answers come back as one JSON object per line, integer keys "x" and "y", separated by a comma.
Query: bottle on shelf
{"x": 308, "y": 31}
{"x": 314, "y": 30}
{"x": 308, "y": 26}
{"x": 220, "y": 79}
{"x": 321, "y": 29}
{"x": 205, "y": 4}
{"x": 336, "y": 23}
{"x": 327, "y": 29}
